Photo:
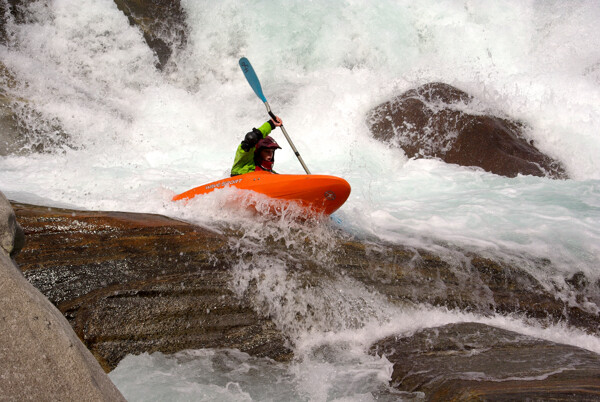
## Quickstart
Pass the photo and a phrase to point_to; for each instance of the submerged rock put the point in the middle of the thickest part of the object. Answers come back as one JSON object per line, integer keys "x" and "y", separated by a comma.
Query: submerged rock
{"x": 467, "y": 282}
{"x": 470, "y": 361}
{"x": 9, "y": 128}
{"x": 23, "y": 129}
{"x": 431, "y": 121}
{"x": 14, "y": 10}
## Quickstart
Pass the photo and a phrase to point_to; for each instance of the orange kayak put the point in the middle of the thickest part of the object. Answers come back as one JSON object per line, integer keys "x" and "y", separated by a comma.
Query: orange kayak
{"x": 319, "y": 193}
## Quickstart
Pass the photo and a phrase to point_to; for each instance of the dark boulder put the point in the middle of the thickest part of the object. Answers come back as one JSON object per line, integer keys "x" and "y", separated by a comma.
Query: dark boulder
{"x": 470, "y": 361}
{"x": 431, "y": 121}
{"x": 163, "y": 23}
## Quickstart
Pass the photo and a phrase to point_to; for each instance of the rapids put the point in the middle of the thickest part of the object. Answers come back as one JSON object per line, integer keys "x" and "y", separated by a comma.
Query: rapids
{"x": 132, "y": 136}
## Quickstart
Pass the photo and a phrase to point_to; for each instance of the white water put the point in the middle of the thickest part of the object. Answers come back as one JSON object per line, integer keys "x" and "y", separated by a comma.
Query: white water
{"x": 140, "y": 136}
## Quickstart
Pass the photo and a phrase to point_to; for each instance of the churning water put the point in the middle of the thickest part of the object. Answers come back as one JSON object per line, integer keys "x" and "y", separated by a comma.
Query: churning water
{"x": 131, "y": 137}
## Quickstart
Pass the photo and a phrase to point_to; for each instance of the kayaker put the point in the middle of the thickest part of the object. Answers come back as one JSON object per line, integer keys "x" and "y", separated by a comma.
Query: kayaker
{"x": 257, "y": 150}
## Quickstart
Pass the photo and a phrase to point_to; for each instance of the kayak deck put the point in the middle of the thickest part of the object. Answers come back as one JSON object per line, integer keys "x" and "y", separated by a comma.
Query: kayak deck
{"x": 320, "y": 193}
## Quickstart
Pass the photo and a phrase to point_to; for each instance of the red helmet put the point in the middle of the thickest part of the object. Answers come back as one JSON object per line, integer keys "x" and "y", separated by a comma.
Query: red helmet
{"x": 267, "y": 142}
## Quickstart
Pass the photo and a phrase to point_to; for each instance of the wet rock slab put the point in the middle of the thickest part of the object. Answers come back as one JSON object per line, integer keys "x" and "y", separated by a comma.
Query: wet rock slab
{"x": 133, "y": 283}
{"x": 130, "y": 283}
{"x": 470, "y": 361}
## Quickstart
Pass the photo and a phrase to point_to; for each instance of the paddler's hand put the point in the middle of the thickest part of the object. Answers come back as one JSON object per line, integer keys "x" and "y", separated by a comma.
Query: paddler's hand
{"x": 276, "y": 122}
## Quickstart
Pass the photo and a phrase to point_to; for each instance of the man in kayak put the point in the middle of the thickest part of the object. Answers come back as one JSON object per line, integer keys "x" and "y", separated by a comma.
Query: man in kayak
{"x": 257, "y": 150}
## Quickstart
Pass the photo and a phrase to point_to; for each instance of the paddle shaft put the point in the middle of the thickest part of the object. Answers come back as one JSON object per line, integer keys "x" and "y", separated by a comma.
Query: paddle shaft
{"x": 287, "y": 137}
{"x": 252, "y": 79}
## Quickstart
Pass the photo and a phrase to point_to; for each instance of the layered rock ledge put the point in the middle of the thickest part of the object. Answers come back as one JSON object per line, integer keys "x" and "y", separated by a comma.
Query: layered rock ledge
{"x": 131, "y": 283}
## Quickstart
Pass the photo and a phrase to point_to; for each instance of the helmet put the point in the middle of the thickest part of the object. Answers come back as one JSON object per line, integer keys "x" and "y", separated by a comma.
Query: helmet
{"x": 267, "y": 142}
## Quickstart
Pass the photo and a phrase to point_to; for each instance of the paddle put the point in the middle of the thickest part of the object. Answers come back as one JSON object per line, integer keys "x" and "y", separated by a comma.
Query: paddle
{"x": 255, "y": 84}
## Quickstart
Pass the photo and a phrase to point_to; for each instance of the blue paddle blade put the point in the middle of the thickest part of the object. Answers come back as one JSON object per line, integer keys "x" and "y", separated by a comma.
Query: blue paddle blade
{"x": 252, "y": 78}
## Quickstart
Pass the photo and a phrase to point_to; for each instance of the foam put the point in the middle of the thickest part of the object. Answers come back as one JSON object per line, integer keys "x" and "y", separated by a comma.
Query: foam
{"x": 136, "y": 136}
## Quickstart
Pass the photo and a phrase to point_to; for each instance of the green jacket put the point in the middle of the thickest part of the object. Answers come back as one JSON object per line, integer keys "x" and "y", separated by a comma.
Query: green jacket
{"x": 244, "y": 161}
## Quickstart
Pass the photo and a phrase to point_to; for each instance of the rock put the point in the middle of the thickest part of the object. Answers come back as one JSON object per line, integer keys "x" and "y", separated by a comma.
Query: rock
{"x": 431, "y": 121}
{"x": 131, "y": 283}
{"x": 464, "y": 281}
{"x": 3, "y": 14}
{"x": 41, "y": 357}
{"x": 578, "y": 281}
{"x": 8, "y": 9}
{"x": 163, "y": 23}
{"x": 9, "y": 129}
{"x": 23, "y": 129}
{"x": 470, "y": 361}
{"x": 12, "y": 238}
